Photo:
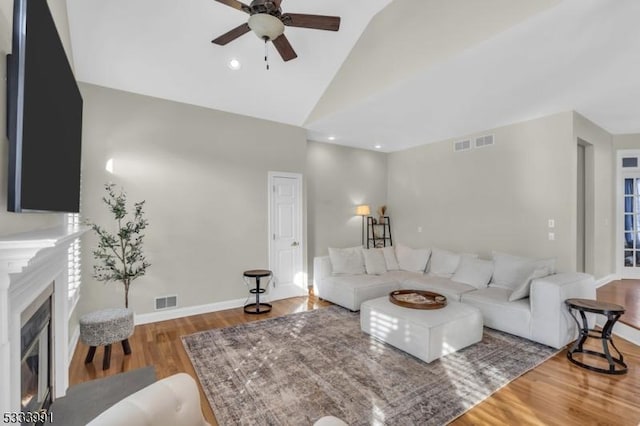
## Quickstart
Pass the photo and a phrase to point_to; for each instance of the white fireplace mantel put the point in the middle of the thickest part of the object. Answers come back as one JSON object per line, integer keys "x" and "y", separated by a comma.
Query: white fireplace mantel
{"x": 29, "y": 263}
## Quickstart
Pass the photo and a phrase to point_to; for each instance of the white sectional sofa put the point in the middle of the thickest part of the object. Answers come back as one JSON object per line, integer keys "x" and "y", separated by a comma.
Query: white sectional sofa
{"x": 518, "y": 295}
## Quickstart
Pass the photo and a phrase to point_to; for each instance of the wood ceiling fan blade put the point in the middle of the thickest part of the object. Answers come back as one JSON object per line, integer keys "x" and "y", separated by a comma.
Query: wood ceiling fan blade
{"x": 317, "y": 22}
{"x": 232, "y": 35}
{"x": 284, "y": 48}
{"x": 236, "y": 5}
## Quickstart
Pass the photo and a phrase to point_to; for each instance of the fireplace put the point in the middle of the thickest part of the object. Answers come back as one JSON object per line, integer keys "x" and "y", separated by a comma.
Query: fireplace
{"x": 36, "y": 354}
{"x": 34, "y": 318}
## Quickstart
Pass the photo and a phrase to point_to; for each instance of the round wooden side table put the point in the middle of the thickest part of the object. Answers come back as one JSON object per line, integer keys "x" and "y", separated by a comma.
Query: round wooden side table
{"x": 257, "y": 307}
{"x": 613, "y": 313}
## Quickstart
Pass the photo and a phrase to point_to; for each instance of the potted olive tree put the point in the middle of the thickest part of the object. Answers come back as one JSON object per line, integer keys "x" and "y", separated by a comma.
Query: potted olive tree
{"x": 119, "y": 255}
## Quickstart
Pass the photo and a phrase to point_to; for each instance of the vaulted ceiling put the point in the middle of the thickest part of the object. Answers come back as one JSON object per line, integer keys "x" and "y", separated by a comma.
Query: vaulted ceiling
{"x": 398, "y": 73}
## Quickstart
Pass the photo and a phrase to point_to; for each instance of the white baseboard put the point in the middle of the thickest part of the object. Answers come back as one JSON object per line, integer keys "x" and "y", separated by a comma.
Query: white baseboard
{"x": 622, "y": 330}
{"x": 170, "y": 314}
{"x": 606, "y": 279}
{"x": 75, "y": 336}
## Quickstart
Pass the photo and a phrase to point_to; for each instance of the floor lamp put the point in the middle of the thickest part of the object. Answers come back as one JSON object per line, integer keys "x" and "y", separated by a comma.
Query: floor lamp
{"x": 363, "y": 210}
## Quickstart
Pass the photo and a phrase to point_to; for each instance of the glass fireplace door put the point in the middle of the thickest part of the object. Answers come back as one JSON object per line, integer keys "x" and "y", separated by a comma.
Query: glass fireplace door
{"x": 35, "y": 365}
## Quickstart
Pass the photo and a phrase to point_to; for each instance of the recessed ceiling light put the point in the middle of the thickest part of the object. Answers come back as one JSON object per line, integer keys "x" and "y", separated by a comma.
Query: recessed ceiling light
{"x": 332, "y": 138}
{"x": 377, "y": 146}
{"x": 234, "y": 64}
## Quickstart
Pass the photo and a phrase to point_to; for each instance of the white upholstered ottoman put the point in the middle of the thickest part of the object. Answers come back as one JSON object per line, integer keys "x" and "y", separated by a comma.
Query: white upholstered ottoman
{"x": 427, "y": 334}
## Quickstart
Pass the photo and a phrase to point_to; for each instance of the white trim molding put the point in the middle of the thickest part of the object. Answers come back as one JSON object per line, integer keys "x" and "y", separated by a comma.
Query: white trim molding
{"x": 607, "y": 279}
{"x": 73, "y": 342}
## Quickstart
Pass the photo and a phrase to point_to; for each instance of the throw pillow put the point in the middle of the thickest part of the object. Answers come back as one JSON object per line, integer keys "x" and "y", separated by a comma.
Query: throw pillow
{"x": 523, "y": 290}
{"x": 510, "y": 271}
{"x": 374, "y": 261}
{"x": 443, "y": 263}
{"x": 346, "y": 260}
{"x": 390, "y": 258}
{"x": 473, "y": 271}
{"x": 412, "y": 260}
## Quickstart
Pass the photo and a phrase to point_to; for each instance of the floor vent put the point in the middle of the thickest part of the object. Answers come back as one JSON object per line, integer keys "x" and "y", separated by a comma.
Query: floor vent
{"x": 166, "y": 302}
{"x": 483, "y": 141}
{"x": 462, "y": 145}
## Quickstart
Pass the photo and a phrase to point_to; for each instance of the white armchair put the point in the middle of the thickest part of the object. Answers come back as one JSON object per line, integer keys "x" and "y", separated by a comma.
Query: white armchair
{"x": 174, "y": 400}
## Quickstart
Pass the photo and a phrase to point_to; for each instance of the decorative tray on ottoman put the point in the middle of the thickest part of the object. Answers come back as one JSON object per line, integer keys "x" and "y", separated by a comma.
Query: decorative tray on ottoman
{"x": 418, "y": 299}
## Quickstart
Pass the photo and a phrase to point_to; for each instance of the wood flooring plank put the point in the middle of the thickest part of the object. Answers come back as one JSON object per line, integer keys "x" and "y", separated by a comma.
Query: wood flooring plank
{"x": 556, "y": 392}
{"x": 627, "y": 294}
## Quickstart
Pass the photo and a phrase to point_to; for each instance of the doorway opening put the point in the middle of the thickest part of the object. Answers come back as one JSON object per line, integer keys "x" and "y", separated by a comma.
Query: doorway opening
{"x": 585, "y": 207}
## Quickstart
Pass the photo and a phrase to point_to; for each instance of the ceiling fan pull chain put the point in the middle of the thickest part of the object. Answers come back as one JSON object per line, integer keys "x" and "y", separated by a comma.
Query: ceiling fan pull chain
{"x": 266, "y": 53}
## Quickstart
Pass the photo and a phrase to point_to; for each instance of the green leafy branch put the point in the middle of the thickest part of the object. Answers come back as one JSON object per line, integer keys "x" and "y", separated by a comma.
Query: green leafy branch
{"x": 120, "y": 255}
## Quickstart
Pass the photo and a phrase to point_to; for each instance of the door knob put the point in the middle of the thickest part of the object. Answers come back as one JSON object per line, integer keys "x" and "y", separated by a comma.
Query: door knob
{"x": 294, "y": 244}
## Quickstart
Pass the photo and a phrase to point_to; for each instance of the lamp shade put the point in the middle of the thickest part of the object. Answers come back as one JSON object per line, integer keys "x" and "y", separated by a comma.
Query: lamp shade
{"x": 363, "y": 210}
{"x": 265, "y": 25}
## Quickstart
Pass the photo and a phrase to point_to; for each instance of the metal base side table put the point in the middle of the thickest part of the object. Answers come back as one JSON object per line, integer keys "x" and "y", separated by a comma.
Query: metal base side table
{"x": 258, "y": 307}
{"x": 613, "y": 313}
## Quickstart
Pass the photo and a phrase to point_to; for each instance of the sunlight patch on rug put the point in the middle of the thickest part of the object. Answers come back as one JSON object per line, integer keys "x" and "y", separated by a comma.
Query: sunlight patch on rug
{"x": 294, "y": 369}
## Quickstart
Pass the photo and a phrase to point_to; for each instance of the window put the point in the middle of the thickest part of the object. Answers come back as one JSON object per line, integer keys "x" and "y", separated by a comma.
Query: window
{"x": 73, "y": 264}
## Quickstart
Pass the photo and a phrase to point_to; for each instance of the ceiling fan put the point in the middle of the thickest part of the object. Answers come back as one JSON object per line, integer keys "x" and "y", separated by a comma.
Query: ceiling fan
{"x": 267, "y": 21}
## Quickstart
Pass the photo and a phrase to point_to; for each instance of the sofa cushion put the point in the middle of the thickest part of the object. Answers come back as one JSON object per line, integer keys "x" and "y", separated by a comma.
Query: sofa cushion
{"x": 522, "y": 291}
{"x": 390, "y": 258}
{"x": 356, "y": 281}
{"x": 450, "y": 289}
{"x": 374, "y": 262}
{"x": 511, "y": 271}
{"x": 350, "y": 291}
{"x": 413, "y": 260}
{"x": 473, "y": 271}
{"x": 400, "y": 276}
{"x": 171, "y": 401}
{"x": 347, "y": 260}
{"x": 443, "y": 263}
{"x": 499, "y": 313}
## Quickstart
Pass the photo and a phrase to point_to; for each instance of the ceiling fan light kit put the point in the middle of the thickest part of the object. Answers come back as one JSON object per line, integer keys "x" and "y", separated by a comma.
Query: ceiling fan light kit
{"x": 267, "y": 21}
{"x": 266, "y": 26}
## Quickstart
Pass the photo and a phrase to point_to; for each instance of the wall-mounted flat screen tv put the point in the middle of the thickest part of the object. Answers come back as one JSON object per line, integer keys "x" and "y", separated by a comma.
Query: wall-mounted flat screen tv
{"x": 44, "y": 116}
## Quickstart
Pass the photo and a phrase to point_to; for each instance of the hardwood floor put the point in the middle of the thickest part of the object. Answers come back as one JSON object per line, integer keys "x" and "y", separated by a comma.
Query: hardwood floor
{"x": 625, "y": 293}
{"x": 158, "y": 344}
{"x": 555, "y": 393}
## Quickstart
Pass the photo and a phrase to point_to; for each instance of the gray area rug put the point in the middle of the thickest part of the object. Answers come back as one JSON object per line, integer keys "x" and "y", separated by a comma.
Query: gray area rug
{"x": 295, "y": 369}
{"x": 85, "y": 401}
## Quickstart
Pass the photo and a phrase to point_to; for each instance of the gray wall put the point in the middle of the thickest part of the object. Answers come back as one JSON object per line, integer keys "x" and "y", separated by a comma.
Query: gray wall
{"x": 11, "y": 223}
{"x": 630, "y": 141}
{"x": 338, "y": 179}
{"x": 203, "y": 174}
{"x": 493, "y": 198}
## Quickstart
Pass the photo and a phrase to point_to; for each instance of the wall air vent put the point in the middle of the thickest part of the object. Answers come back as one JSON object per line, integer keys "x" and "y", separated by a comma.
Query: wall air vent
{"x": 483, "y": 141}
{"x": 166, "y": 302}
{"x": 462, "y": 145}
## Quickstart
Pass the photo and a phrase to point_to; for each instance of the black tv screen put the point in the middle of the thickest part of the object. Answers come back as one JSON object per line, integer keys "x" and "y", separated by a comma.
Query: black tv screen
{"x": 44, "y": 112}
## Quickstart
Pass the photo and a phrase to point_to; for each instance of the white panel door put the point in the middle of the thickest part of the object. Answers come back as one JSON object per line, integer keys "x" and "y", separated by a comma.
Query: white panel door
{"x": 628, "y": 213}
{"x": 286, "y": 245}
{"x": 631, "y": 226}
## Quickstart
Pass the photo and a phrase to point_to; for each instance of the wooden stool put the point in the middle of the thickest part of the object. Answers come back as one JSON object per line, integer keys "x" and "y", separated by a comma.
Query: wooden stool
{"x": 103, "y": 328}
